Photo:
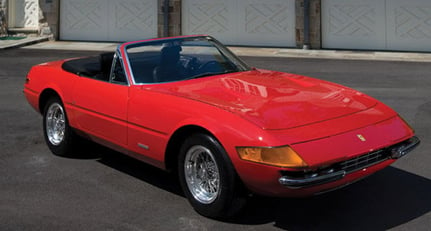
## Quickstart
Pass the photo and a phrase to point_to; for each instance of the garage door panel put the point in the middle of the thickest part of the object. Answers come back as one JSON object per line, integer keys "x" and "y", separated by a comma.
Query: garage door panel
{"x": 83, "y": 19}
{"x": 409, "y": 25}
{"x": 108, "y": 20}
{"x": 377, "y": 24}
{"x": 212, "y": 17}
{"x": 266, "y": 22}
{"x": 352, "y": 23}
{"x": 242, "y": 22}
{"x": 132, "y": 20}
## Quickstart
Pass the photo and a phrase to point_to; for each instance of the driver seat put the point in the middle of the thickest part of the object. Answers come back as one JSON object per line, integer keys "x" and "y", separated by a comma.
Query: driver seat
{"x": 169, "y": 69}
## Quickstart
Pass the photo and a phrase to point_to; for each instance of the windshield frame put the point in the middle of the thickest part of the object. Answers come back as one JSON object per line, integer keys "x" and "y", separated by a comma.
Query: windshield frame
{"x": 223, "y": 50}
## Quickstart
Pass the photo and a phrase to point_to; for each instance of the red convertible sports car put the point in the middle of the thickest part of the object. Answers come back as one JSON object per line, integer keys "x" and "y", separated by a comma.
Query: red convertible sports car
{"x": 189, "y": 105}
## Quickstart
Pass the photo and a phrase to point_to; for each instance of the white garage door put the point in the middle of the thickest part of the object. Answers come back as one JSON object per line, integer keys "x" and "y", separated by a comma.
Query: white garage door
{"x": 108, "y": 20}
{"x": 377, "y": 24}
{"x": 242, "y": 22}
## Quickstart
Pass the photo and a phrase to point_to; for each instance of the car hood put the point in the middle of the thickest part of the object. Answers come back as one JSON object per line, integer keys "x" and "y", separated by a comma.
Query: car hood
{"x": 273, "y": 100}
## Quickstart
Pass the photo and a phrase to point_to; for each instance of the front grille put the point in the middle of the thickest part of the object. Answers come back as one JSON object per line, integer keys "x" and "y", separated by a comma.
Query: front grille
{"x": 364, "y": 161}
{"x": 338, "y": 170}
{"x": 350, "y": 165}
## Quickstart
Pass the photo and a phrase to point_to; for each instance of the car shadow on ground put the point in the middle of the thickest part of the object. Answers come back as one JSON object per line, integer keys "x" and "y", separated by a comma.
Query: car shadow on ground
{"x": 130, "y": 166}
{"x": 382, "y": 201}
{"x": 385, "y": 200}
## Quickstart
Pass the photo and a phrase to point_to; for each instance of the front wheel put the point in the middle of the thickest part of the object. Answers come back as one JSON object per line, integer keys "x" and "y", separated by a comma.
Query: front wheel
{"x": 208, "y": 178}
{"x": 59, "y": 136}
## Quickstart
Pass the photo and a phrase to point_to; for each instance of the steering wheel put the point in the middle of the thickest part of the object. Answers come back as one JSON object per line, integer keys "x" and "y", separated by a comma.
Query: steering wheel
{"x": 210, "y": 66}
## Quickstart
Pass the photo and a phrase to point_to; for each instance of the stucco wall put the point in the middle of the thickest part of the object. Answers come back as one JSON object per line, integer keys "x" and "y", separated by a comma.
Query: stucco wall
{"x": 174, "y": 18}
{"x": 315, "y": 22}
{"x": 49, "y": 18}
{"x": 3, "y": 9}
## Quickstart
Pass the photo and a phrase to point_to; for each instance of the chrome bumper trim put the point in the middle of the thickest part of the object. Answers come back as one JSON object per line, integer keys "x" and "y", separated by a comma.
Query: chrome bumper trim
{"x": 405, "y": 147}
{"x": 295, "y": 183}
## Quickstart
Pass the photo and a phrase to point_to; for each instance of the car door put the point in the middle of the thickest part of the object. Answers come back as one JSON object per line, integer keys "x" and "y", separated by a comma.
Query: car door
{"x": 102, "y": 105}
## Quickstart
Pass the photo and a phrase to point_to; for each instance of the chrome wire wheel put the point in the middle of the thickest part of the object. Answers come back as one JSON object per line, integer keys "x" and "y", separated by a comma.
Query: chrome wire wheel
{"x": 202, "y": 174}
{"x": 55, "y": 124}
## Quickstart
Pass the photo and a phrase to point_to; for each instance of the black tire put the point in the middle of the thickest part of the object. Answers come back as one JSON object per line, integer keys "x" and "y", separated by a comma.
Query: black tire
{"x": 229, "y": 198}
{"x": 59, "y": 136}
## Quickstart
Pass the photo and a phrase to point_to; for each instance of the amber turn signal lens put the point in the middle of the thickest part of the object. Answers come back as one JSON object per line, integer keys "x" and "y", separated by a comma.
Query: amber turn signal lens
{"x": 278, "y": 156}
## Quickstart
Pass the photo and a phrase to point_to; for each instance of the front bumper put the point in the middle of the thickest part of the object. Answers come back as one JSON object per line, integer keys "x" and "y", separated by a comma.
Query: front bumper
{"x": 339, "y": 170}
{"x": 314, "y": 179}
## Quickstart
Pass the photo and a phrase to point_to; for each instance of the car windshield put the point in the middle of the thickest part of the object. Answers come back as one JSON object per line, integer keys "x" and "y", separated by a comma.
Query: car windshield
{"x": 178, "y": 59}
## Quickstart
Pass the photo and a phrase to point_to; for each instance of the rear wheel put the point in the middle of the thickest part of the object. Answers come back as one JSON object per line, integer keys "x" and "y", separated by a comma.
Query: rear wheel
{"x": 59, "y": 136}
{"x": 208, "y": 178}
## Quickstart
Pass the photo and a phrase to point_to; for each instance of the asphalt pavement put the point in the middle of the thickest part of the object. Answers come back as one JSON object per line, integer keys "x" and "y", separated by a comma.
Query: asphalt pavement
{"x": 105, "y": 190}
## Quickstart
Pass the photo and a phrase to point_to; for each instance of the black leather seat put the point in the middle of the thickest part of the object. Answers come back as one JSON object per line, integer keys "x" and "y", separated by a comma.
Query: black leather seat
{"x": 97, "y": 67}
{"x": 105, "y": 60}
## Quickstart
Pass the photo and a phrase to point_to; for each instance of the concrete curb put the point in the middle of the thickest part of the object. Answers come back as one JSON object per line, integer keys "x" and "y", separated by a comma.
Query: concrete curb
{"x": 333, "y": 54}
{"x": 40, "y": 43}
{"x": 8, "y": 44}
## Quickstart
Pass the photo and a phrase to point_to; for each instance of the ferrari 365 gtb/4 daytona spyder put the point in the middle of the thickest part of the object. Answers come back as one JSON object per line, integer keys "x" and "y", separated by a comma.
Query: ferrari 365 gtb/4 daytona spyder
{"x": 189, "y": 105}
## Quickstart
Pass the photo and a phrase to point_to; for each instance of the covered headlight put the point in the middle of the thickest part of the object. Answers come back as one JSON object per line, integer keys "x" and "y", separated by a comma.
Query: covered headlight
{"x": 277, "y": 156}
{"x": 408, "y": 125}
